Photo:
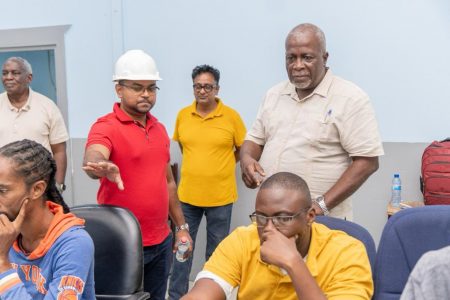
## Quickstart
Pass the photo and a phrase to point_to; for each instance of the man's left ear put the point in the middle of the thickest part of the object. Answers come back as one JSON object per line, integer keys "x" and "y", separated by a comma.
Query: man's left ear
{"x": 325, "y": 59}
{"x": 311, "y": 216}
{"x": 38, "y": 189}
{"x": 118, "y": 89}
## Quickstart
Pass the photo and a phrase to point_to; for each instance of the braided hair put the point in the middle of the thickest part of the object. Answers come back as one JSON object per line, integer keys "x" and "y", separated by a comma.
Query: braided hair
{"x": 34, "y": 162}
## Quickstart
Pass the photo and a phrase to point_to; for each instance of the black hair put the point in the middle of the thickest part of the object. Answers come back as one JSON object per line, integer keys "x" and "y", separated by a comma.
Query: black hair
{"x": 288, "y": 181}
{"x": 206, "y": 69}
{"x": 34, "y": 162}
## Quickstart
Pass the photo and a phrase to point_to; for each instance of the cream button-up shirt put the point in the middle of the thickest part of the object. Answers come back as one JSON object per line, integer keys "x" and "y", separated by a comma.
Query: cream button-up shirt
{"x": 39, "y": 120}
{"x": 315, "y": 137}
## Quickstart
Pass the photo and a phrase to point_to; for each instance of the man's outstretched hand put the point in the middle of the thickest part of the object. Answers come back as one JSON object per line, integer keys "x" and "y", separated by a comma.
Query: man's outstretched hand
{"x": 106, "y": 169}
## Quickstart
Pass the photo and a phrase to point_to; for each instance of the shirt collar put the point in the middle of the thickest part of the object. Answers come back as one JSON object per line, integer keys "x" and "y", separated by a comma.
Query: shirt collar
{"x": 25, "y": 107}
{"x": 124, "y": 118}
{"x": 318, "y": 241}
{"x": 321, "y": 89}
{"x": 324, "y": 85}
{"x": 217, "y": 112}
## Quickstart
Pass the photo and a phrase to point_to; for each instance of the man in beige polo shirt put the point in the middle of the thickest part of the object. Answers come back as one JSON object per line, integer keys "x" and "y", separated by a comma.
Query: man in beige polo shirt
{"x": 25, "y": 114}
{"x": 316, "y": 125}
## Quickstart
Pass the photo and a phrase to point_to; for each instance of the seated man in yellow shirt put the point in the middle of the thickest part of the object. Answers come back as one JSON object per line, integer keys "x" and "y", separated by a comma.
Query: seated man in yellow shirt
{"x": 284, "y": 254}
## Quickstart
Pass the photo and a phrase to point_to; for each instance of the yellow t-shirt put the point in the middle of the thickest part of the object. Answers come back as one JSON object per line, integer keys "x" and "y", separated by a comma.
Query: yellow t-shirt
{"x": 208, "y": 166}
{"x": 338, "y": 262}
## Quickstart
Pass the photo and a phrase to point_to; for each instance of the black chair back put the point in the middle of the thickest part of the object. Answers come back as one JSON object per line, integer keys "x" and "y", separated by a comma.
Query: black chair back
{"x": 118, "y": 251}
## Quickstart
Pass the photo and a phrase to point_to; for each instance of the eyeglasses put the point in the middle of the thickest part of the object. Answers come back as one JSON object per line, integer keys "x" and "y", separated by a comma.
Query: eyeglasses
{"x": 207, "y": 87}
{"x": 139, "y": 89}
{"x": 278, "y": 221}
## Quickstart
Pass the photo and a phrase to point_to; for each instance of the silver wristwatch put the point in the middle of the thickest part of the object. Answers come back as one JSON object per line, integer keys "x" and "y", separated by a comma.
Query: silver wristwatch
{"x": 185, "y": 226}
{"x": 320, "y": 200}
{"x": 61, "y": 187}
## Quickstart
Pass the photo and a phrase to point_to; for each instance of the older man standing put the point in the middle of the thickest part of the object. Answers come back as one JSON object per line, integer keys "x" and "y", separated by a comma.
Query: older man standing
{"x": 316, "y": 125}
{"x": 26, "y": 114}
{"x": 128, "y": 150}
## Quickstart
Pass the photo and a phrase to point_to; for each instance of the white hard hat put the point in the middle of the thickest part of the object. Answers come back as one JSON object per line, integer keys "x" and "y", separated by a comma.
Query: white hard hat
{"x": 136, "y": 65}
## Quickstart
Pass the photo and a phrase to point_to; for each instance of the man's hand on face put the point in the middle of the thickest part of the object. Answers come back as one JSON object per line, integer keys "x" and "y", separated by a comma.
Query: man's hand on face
{"x": 252, "y": 172}
{"x": 277, "y": 249}
{"x": 8, "y": 234}
{"x": 106, "y": 169}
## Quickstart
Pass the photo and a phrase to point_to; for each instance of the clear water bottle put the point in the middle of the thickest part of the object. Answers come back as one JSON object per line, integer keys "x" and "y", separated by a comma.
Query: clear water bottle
{"x": 396, "y": 191}
{"x": 182, "y": 248}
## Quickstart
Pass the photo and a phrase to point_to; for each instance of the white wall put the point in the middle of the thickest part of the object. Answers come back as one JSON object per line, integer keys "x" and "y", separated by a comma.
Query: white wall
{"x": 89, "y": 51}
{"x": 395, "y": 50}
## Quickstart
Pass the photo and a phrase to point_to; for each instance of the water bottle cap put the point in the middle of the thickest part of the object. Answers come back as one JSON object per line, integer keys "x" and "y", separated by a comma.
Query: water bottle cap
{"x": 396, "y": 175}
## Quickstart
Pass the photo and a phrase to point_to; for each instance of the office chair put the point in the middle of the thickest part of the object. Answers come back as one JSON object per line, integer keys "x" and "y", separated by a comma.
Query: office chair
{"x": 354, "y": 230}
{"x": 406, "y": 236}
{"x": 118, "y": 251}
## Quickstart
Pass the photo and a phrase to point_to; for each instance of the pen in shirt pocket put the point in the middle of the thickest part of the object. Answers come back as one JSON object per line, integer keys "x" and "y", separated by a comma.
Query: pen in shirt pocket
{"x": 328, "y": 114}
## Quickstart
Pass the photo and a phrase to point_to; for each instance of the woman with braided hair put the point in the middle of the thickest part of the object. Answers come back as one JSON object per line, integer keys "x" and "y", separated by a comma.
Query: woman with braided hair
{"x": 44, "y": 251}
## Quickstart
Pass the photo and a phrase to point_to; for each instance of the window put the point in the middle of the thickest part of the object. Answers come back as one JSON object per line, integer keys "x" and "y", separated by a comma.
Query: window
{"x": 43, "y": 65}
{"x": 43, "y": 47}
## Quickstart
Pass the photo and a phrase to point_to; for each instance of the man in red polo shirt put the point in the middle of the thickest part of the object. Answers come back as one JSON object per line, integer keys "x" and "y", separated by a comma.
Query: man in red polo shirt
{"x": 128, "y": 150}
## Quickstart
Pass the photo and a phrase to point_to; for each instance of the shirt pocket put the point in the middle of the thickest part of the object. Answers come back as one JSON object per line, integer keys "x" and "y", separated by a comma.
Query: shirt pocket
{"x": 322, "y": 133}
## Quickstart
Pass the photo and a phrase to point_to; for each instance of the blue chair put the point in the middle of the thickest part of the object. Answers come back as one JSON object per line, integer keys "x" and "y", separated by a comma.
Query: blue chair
{"x": 354, "y": 230}
{"x": 119, "y": 263}
{"x": 407, "y": 235}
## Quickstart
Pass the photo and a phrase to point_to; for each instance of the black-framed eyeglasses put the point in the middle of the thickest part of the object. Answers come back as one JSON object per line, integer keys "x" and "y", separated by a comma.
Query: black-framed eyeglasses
{"x": 139, "y": 89}
{"x": 278, "y": 221}
{"x": 207, "y": 87}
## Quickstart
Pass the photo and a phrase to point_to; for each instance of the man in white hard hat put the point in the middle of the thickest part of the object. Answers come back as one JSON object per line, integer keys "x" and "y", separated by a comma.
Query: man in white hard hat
{"x": 128, "y": 150}
{"x": 26, "y": 114}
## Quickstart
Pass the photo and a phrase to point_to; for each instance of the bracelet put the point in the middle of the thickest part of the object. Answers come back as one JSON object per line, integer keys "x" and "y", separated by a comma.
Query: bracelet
{"x": 320, "y": 200}
{"x": 61, "y": 187}
{"x": 185, "y": 226}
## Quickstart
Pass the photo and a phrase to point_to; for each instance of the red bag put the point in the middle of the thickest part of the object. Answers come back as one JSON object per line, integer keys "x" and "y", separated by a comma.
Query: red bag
{"x": 435, "y": 179}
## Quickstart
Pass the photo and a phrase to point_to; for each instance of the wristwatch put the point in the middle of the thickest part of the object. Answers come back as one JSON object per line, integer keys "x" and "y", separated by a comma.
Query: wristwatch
{"x": 320, "y": 200}
{"x": 185, "y": 226}
{"x": 61, "y": 187}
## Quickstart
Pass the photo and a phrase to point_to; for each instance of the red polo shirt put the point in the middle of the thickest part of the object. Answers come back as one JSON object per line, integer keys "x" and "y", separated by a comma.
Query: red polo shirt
{"x": 142, "y": 155}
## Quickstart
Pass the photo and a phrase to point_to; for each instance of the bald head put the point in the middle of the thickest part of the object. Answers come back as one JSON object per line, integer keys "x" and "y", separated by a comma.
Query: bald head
{"x": 288, "y": 181}
{"x": 309, "y": 28}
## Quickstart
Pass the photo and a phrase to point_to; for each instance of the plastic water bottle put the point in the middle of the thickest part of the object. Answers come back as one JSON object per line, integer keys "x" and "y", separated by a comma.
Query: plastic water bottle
{"x": 396, "y": 191}
{"x": 183, "y": 247}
